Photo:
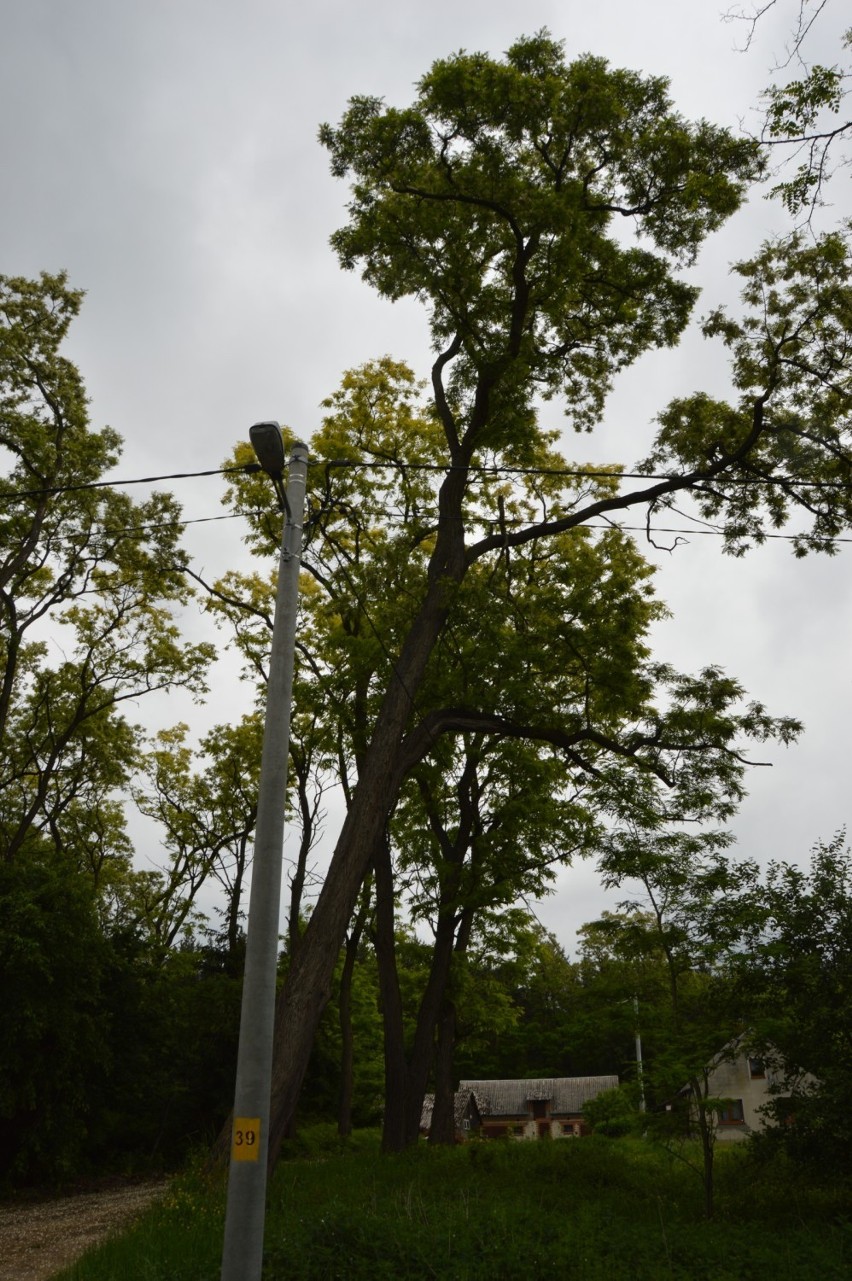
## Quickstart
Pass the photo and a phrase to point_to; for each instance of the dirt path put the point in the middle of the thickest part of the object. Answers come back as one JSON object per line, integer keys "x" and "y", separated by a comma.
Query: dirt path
{"x": 39, "y": 1238}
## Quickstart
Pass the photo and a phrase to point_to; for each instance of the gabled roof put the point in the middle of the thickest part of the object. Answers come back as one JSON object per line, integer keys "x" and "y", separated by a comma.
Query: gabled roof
{"x": 461, "y": 1106}
{"x": 566, "y": 1094}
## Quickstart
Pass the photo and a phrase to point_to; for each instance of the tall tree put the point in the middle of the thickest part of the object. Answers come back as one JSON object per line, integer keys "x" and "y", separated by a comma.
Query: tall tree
{"x": 207, "y": 817}
{"x": 90, "y": 584}
{"x": 494, "y": 199}
{"x": 106, "y": 572}
{"x": 484, "y": 819}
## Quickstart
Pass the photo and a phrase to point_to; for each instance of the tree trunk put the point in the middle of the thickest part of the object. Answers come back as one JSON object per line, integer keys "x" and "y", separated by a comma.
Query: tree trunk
{"x": 443, "y": 1115}
{"x": 443, "y": 1118}
{"x": 707, "y": 1134}
{"x": 393, "y": 1125}
{"x": 308, "y": 984}
{"x": 344, "y": 1109}
{"x": 428, "y": 1015}
{"x": 347, "y": 1057}
{"x": 233, "y": 918}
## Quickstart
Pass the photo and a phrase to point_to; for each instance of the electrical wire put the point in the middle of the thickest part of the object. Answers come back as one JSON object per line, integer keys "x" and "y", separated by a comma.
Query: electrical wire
{"x": 398, "y": 518}
{"x": 582, "y": 473}
{"x": 10, "y": 495}
{"x": 482, "y": 469}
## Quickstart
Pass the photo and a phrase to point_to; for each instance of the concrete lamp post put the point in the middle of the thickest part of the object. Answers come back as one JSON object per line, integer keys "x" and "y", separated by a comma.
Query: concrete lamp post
{"x": 242, "y": 1256}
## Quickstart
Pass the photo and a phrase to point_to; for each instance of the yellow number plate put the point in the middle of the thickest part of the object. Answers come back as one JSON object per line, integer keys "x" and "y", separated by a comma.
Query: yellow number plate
{"x": 245, "y": 1143}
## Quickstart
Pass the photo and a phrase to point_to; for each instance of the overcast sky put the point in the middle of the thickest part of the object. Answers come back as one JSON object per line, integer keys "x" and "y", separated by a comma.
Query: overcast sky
{"x": 165, "y": 153}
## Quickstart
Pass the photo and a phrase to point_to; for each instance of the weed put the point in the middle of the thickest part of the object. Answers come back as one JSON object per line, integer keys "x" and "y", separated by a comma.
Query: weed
{"x": 614, "y": 1210}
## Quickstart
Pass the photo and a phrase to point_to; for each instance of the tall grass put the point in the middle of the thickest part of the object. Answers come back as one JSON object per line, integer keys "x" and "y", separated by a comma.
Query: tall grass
{"x": 593, "y": 1209}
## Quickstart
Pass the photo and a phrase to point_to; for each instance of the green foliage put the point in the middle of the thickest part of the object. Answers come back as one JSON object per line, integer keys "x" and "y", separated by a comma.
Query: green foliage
{"x": 108, "y": 1035}
{"x": 105, "y": 572}
{"x": 207, "y": 815}
{"x": 794, "y": 966}
{"x": 319, "y": 1099}
{"x": 613, "y": 1209}
{"x": 110, "y": 1059}
{"x": 784, "y": 445}
{"x": 613, "y": 1113}
{"x": 801, "y": 119}
{"x": 512, "y": 172}
{"x": 173, "y": 1025}
{"x": 55, "y": 1048}
{"x": 527, "y": 1011}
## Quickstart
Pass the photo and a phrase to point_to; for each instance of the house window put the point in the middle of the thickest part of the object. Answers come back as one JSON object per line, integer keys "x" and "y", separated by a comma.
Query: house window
{"x": 732, "y": 1113}
{"x": 465, "y": 1124}
{"x": 756, "y": 1069}
{"x": 539, "y": 1109}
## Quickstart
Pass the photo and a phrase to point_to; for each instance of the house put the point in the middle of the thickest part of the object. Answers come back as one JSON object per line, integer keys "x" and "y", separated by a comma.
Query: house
{"x": 744, "y": 1084}
{"x": 467, "y": 1118}
{"x": 545, "y": 1107}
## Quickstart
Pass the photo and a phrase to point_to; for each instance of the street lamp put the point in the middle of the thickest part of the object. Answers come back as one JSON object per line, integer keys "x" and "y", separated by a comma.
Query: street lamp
{"x": 242, "y": 1255}
{"x": 268, "y": 445}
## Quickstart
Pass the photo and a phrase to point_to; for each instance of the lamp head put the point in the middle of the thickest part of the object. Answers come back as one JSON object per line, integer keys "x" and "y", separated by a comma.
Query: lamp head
{"x": 268, "y": 445}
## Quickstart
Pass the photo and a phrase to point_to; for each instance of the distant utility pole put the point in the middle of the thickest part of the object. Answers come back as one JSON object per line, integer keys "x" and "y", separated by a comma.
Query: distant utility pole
{"x": 640, "y": 1075}
{"x": 242, "y": 1256}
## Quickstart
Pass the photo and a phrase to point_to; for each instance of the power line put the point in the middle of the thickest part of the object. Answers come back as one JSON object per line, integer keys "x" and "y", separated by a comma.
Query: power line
{"x": 10, "y": 495}
{"x": 582, "y": 473}
{"x": 398, "y": 518}
{"x": 481, "y": 469}
{"x": 137, "y": 531}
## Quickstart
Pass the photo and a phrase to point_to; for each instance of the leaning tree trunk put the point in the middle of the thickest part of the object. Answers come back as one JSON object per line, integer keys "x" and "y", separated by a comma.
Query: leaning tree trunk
{"x": 308, "y": 983}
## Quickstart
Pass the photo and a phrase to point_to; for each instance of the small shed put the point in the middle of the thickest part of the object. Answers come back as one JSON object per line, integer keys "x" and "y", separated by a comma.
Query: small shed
{"x": 466, "y": 1115}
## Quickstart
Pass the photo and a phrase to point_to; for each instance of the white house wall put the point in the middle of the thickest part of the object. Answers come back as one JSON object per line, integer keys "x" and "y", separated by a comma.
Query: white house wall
{"x": 733, "y": 1080}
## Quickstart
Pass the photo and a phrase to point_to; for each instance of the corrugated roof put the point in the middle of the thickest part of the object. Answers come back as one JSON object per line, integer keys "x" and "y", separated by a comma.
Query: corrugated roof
{"x": 566, "y": 1094}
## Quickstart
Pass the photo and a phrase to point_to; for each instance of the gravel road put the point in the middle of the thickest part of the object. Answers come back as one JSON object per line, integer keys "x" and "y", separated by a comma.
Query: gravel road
{"x": 37, "y": 1238}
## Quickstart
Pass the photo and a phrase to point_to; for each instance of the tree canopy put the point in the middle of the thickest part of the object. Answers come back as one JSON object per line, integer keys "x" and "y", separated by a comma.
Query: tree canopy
{"x": 499, "y": 199}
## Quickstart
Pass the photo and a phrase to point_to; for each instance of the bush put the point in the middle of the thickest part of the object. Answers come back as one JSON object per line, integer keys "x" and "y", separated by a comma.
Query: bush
{"x": 613, "y": 1113}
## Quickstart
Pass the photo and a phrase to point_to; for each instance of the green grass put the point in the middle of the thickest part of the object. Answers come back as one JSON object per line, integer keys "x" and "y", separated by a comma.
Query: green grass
{"x": 595, "y": 1210}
